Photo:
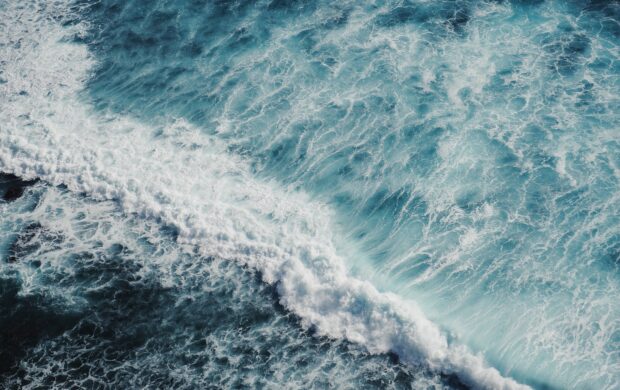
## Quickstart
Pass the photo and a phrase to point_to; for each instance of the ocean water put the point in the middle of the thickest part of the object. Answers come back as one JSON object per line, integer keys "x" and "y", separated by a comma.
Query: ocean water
{"x": 310, "y": 194}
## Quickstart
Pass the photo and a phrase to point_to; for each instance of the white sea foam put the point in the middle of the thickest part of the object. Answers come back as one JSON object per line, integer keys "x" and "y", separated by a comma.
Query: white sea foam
{"x": 182, "y": 177}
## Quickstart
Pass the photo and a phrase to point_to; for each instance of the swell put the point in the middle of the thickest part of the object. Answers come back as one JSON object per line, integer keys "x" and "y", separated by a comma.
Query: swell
{"x": 177, "y": 175}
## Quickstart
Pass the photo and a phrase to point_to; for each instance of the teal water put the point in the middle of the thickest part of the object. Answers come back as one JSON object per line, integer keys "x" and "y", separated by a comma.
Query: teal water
{"x": 460, "y": 158}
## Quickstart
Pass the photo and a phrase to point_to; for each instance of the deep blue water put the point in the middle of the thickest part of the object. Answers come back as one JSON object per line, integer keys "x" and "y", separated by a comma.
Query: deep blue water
{"x": 354, "y": 194}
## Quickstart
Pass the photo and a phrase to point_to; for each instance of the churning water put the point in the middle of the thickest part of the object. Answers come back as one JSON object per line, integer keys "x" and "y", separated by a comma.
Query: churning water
{"x": 283, "y": 194}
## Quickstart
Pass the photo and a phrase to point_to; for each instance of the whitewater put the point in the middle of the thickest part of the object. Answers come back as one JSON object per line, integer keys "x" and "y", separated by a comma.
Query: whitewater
{"x": 441, "y": 195}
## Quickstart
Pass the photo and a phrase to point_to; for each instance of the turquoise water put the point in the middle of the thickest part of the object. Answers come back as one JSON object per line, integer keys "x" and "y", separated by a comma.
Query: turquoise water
{"x": 364, "y": 194}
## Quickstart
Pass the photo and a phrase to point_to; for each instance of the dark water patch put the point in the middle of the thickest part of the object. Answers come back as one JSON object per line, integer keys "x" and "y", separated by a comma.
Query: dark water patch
{"x": 394, "y": 202}
{"x": 609, "y": 8}
{"x": 26, "y": 321}
{"x": 459, "y": 19}
{"x": 12, "y": 187}
{"x": 12, "y": 193}
{"x": 293, "y": 6}
{"x": 469, "y": 201}
{"x": 568, "y": 49}
{"x": 609, "y": 253}
{"x": 453, "y": 14}
{"x": 605, "y": 12}
{"x": 400, "y": 15}
{"x": 25, "y": 242}
{"x": 525, "y": 2}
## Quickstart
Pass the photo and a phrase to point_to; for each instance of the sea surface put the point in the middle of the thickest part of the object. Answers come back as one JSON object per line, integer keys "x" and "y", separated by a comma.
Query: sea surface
{"x": 205, "y": 194}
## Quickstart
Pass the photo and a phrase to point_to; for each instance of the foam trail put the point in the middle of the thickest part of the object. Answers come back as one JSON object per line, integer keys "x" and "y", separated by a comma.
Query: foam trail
{"x": 179, "y": 176}
{"x": 75, "y": 261}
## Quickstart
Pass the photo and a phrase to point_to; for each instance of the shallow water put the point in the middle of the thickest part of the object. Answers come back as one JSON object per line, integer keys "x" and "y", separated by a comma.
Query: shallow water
{"x": 388, "y": 194}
